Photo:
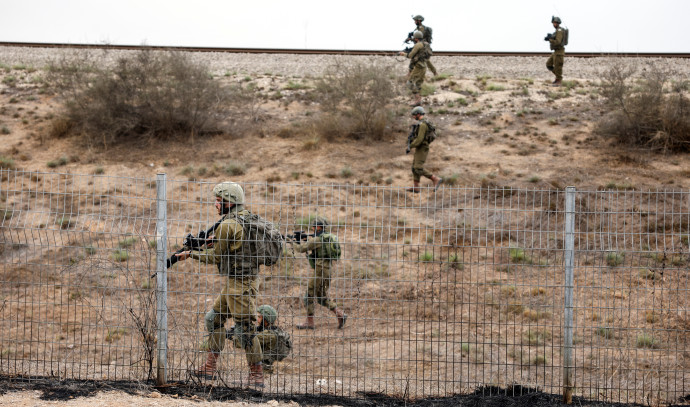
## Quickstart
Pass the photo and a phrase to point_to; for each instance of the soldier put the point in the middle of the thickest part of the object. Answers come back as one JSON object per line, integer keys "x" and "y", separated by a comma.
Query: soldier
{"x": 555, "y": 61}
{"x": 419, "y": 140}
{"x": 275, "y": 343}
{"x": 418, "y": 57}
{"x": 325, "y": 250}
{"x": 230, "y": 252}
{"x": 427, "y": 37}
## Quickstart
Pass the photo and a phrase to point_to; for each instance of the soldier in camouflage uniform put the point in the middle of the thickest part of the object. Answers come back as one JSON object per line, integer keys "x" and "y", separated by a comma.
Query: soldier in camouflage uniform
{"x": 421, "y": 145}
{"x": 555, "y": 61}
{"x": 418, "y": 57}
{"x": 321, "y": 278}
{"x": 267, "y": 334}
{"x": 237, "y": 300}
{"x": 427, "y": 37}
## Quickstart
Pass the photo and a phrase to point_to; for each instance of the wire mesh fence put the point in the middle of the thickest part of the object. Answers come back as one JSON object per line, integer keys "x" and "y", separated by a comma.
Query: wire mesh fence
{"x": 444, "y": 291}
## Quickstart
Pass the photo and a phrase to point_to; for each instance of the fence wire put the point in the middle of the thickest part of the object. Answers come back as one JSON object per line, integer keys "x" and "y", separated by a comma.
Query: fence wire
{"x": 444, "y": 292}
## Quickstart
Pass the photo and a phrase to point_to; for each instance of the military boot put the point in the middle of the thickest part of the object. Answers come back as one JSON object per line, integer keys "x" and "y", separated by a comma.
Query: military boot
{"x": 342, "y": 317}
{"x": 308, "y": 324}
{"x": 256, "y": 375}
{"x": 209, "y": 369}
{"x": 557, "y": 82}
{"x": 437, "y": 181}
{"x": 414, "y": 188}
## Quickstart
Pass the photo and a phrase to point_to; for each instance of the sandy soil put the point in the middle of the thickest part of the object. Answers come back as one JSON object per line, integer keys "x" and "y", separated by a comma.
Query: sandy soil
{"x": 500, "y": 124}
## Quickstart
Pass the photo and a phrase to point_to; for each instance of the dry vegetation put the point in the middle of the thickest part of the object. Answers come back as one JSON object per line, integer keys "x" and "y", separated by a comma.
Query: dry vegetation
{"x": 480, "y": 291}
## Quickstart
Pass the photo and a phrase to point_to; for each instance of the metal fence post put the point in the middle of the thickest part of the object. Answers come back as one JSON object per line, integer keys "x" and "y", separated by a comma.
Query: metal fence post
{"x": 161, "y": 280}
{"x": 568, "y": 295}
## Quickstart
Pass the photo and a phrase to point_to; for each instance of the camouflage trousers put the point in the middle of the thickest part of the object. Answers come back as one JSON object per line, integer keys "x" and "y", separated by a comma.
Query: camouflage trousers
{"x": 237, "y": 300}
{"x": 317, "y": 290}
{"x": 555, "y": 63}
{"x": 418, "y": 170}
{"x": 416, "y": 78}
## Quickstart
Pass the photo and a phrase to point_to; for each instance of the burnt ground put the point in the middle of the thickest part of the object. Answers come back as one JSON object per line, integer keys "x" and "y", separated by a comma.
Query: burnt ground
{"x": 62, "y": 390}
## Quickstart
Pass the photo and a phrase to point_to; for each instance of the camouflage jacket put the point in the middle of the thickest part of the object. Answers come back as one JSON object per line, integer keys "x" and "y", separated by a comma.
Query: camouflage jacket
{"x": 556, "y": 41}
{"x": 420, "y": 138}
{"x": 230, "y": 252}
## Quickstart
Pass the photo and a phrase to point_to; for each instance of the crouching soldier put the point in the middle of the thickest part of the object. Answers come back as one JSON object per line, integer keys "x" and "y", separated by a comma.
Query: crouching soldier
{"x": 276, "y": 344}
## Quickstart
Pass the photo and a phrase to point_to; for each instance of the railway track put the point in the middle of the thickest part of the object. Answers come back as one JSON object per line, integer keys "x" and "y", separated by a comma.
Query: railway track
{"x": 341, "y": 52}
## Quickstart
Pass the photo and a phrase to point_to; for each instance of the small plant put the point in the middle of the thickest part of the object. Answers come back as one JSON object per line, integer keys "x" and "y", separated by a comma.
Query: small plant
{"x": 440, "y": 77}
{"x": 5, "y": 130}
{"x": 427, "y": 90}
{"x": 235, "y": 168}
{"x": 461, "y": 101}
{"x": 518, "y": 255}
{"x": 426, "y": 257}
{"x": 295, "y": 86}
{"x": 536, "y": 336}
{"x": 99, "y": 171}
{"x": 647, "y": 342}
{"x": 534, "y": 179}
{"x": 346, "y": 172}
{"x": 120, "y": 255}
{"x": 90, "y": 250}
{"x": 126, "y": 243}
{"x": 311, "y": 143}
{"x": 64, "y": 222}
{"x": 604, "y": 332}
{"x": 6, "y": 163}
{"x": 57, "y": 163}
{"x": 614, "y": 259}
{"x": 115, "y": 334}
{"x": 495, "y": 87}
{"x": 540, "y": 360}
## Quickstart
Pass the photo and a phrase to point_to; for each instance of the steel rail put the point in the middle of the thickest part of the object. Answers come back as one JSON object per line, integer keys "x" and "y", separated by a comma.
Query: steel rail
{"x": 343, "y": 52}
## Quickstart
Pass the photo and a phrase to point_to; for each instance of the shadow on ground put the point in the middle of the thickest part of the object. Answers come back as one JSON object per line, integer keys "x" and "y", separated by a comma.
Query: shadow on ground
{"x": 62, "y": 390}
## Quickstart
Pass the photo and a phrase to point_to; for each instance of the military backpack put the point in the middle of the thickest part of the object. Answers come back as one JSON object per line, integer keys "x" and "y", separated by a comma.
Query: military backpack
{"x": 566, "y": 31}
{"x": 427, "y": 34}
{"x": 430, "y": 135}
{"x": 329, "y": 249}
{"x": 282, "y": 349}
{"x": 264, "y": 239}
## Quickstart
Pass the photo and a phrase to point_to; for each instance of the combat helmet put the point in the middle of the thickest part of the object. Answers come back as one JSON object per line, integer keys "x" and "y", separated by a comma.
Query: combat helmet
{"x": 418, "y": 17}
{"x": 269, "y": 313}
{"x": 555, "y": 19}
{"x": 418, "y": 110}
{"x": 230, "y": 191}
{"x": 318, "y": 221}
{"x": 418, "y": 35}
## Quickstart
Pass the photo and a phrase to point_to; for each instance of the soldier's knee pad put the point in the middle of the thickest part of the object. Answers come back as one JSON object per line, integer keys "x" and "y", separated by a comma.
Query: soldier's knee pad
{"x": 212, "y": 321}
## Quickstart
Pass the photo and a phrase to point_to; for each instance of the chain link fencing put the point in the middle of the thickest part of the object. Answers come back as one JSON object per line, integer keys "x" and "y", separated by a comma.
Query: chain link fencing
{"x": 445, "y": 292}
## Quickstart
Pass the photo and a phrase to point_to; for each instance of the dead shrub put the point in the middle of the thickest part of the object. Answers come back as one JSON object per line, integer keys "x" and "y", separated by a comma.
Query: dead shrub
{"x": 355, "y": 98}
{"x": 652, "y": 111}
{"x": 148, "y": 93}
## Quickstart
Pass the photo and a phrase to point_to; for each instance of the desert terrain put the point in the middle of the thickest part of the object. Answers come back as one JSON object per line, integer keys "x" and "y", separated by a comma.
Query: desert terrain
{"x": 501, "y": 126}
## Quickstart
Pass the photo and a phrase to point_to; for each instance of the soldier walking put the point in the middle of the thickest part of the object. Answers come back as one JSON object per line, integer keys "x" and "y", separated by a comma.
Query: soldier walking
{"x": 427, "y": 34}
{"x": 556, "y": 43}
{"x": 324, "y": 251}
{"x": 231, "y": 252}
{"x": 418, "y": 56}
{"x": 420, "y": 139}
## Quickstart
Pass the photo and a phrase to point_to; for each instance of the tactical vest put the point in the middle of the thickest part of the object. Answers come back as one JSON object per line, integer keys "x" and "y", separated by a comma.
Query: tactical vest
{"x": 282, "y": 349}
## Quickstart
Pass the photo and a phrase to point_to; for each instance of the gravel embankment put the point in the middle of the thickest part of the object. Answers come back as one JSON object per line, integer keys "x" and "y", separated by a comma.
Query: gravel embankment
{"x": 314, "y": 65}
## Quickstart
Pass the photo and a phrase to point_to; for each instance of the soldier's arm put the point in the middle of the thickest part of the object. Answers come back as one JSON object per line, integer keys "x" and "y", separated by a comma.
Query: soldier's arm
{"x": 418, "y": 46}
{"x": 310, "y": 245}
{"x": 421, "y": 132}
{"x": 557, "y": 40}
{"x": 228, "y": 236}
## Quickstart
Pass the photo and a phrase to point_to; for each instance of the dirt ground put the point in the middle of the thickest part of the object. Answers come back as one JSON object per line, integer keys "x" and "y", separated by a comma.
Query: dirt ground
{"x": 517, "y": 132}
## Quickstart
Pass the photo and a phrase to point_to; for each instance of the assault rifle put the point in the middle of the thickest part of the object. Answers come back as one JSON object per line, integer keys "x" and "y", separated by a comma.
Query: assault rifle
{"x": 411, "y": 136}
{"x": 300, "y": 235}
{"x": 191, "y": 242}
{"x": 548, "y": 37}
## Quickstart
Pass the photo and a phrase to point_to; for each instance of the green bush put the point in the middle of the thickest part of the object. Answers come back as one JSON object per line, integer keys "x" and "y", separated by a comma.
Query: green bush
{"x": 355, "y": 97}
{"x": 652, "y": 111}
{"x": 146, "y": 93}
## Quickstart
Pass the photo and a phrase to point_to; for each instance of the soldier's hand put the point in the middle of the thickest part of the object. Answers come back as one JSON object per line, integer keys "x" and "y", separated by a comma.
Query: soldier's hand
{"x": 182, "y": 256}
{"x": 401, "y": 53}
